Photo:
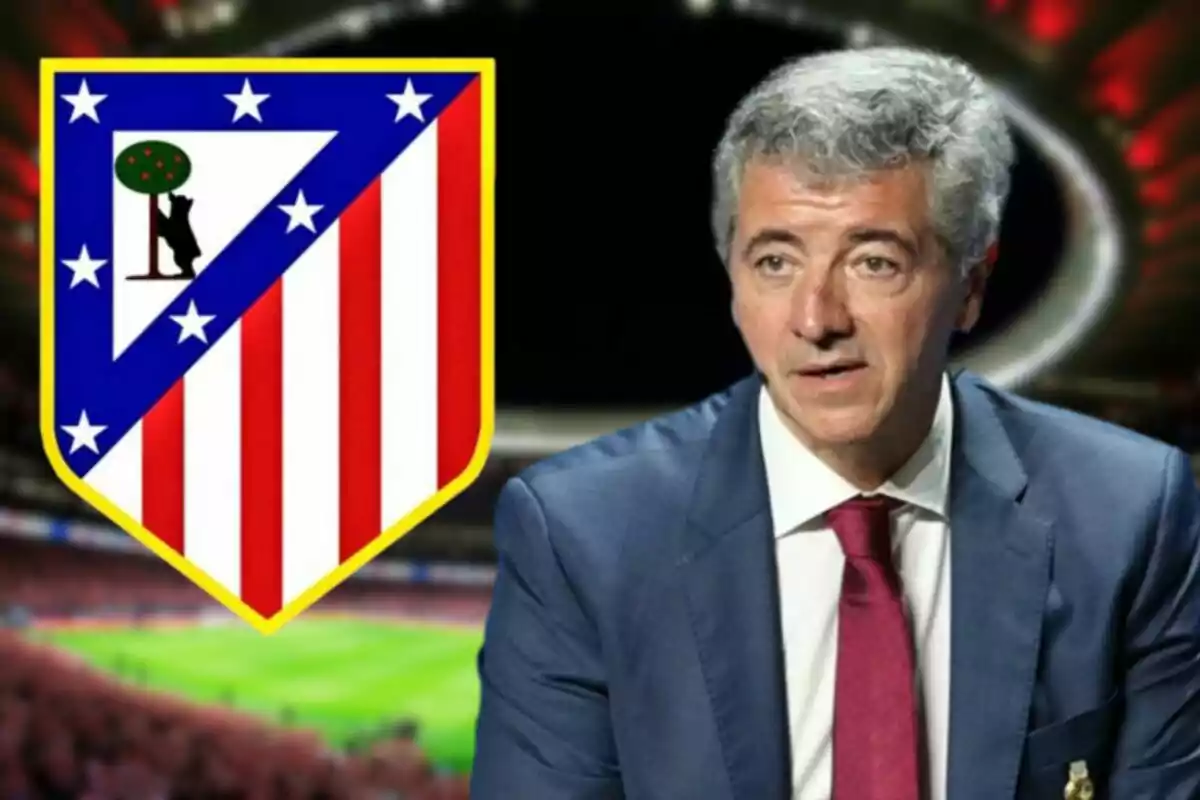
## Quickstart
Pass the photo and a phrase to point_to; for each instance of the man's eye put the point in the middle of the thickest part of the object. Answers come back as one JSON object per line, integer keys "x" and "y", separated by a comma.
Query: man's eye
{"x": 770, "y": 264}
{"x": 878, "y": 265}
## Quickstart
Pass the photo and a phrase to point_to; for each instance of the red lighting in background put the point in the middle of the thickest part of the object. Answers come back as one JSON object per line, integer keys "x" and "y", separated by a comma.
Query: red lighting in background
{"x": 71, "y": 42}
{"x": 63, "y": 28}
{"x": 1123, "y": 76}
{"x": 1155, "y": 232}
{"x": 1160, "y": 192}
{"x": 1169, "y": 132}
{"x": 18, "y": 100}
{"x": 1053, "y": 21}
{"x": 74, "y": 28}
{"x": 1160, "y": 232}
{"x": 1164, "y": 265}
{"x": 16, "y": 207}
{"x": 998, "y": 6}
{"x": 99, "y": 19}
{"x": 17, "y": 168}
{"x": 1168, "y": 189}
{"x": 1118, "y": 96}
{"x": 1159, "y": 37}
{"x": 1145, "y": 153}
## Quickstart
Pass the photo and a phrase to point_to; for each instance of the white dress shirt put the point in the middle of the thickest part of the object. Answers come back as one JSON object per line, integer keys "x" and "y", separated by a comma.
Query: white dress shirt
{"x": 810, "y": 561}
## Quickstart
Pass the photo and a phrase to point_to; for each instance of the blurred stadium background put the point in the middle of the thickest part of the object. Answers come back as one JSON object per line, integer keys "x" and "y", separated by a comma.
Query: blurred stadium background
{"x": 121, "y": 681}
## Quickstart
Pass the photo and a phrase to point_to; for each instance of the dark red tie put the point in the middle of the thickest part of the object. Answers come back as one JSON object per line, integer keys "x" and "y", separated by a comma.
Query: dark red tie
{"x": 875, "y": 726}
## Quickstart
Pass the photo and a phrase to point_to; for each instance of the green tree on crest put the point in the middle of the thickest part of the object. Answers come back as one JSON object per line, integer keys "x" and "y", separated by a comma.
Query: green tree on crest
{"x": 155, "y": 168}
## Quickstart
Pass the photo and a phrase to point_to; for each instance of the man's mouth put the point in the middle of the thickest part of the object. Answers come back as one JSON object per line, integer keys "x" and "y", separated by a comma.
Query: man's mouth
{"x": 835, "y": 370}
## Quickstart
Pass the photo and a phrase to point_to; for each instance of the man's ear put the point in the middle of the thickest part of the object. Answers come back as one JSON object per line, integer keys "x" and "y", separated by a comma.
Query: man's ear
{"x": 976, "y": 285}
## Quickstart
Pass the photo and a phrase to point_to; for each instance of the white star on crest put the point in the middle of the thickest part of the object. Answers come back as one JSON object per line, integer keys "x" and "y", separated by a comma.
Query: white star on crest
{"x": 84, "y": 434}
{"x": 192, "y": 324}
{"x": 83, "y": 103}
{"x": 409, "y": 103}
{"x": 247, "y": 102}
{"x": 83, "y": 269}
{"x": 300, "y": 214}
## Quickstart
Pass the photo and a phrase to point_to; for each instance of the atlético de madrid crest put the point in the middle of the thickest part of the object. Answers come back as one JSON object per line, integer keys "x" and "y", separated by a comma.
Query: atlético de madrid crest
{"x": 267, "y": 307}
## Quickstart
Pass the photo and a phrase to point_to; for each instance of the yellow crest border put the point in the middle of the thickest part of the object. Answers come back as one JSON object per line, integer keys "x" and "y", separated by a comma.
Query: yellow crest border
{"x": 485, "y": 68}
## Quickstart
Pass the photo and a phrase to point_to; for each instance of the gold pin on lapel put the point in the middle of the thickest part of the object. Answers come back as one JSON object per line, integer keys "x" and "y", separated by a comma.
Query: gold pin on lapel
{"x": 1079, "y": 783}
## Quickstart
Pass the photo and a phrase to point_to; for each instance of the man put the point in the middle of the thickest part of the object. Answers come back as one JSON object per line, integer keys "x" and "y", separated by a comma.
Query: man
{"x": 851, "y": 576}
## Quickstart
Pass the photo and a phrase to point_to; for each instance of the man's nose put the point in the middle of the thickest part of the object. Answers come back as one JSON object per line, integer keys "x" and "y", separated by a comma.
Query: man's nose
{"x": 819, "y": 310}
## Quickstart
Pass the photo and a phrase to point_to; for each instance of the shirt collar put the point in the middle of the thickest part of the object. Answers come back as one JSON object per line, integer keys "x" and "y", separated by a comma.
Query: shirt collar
{"x": 802, "y": 488}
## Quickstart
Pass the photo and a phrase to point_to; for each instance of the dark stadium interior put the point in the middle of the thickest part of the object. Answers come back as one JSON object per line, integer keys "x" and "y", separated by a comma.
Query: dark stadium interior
{"x": 607, "y": 282}
{"x": 610, "y": 305}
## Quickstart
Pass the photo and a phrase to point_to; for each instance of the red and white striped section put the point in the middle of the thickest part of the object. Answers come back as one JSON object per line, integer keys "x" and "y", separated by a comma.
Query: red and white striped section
{"x": 347, "y": 396}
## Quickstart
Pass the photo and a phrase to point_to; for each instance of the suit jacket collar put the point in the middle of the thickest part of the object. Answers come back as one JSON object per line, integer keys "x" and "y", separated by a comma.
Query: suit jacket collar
{"x": 1000, "y": 557}
{"x": 731, "y": 484}
{"x": 999, "y": 575}
{"x": 728, "y": 574}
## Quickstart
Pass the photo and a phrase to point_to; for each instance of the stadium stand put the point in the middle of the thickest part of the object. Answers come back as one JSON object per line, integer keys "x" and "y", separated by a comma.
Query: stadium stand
{"x": 56, "y": 581}
{"x": 69, "y": 731}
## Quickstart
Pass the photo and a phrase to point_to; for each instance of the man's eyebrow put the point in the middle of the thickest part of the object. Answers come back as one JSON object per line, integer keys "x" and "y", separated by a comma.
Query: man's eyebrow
{"x": 866, "y": 235}
{"x": 773, "y": 236}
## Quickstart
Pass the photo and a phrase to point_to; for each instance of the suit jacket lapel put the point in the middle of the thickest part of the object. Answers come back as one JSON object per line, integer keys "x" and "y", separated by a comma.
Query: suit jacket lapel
{"x": 727, "y": 563}
{"x": 1000, "y": 569}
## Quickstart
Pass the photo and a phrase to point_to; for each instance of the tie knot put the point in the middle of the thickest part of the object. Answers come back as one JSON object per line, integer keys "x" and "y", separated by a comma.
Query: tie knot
{"x": 863, "y": 526}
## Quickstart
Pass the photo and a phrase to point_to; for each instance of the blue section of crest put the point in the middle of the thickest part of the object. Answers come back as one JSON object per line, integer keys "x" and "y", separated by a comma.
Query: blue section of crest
{"x": 117, "y": 393}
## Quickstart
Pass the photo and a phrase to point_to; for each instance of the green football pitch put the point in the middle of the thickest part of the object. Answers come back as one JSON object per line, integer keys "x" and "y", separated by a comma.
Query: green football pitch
{"x": 341, "y": 676}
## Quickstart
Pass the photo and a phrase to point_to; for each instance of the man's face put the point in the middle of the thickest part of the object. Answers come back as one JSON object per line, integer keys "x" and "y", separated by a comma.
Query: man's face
{"x": 845, "y": 298}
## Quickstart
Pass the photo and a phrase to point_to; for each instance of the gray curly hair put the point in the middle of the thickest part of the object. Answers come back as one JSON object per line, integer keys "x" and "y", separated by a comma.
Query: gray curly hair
{"x": 848, "y": 113}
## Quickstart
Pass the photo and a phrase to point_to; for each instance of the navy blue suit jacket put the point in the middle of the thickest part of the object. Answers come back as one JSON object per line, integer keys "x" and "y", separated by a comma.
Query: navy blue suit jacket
{"x": 633, "y": 649}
